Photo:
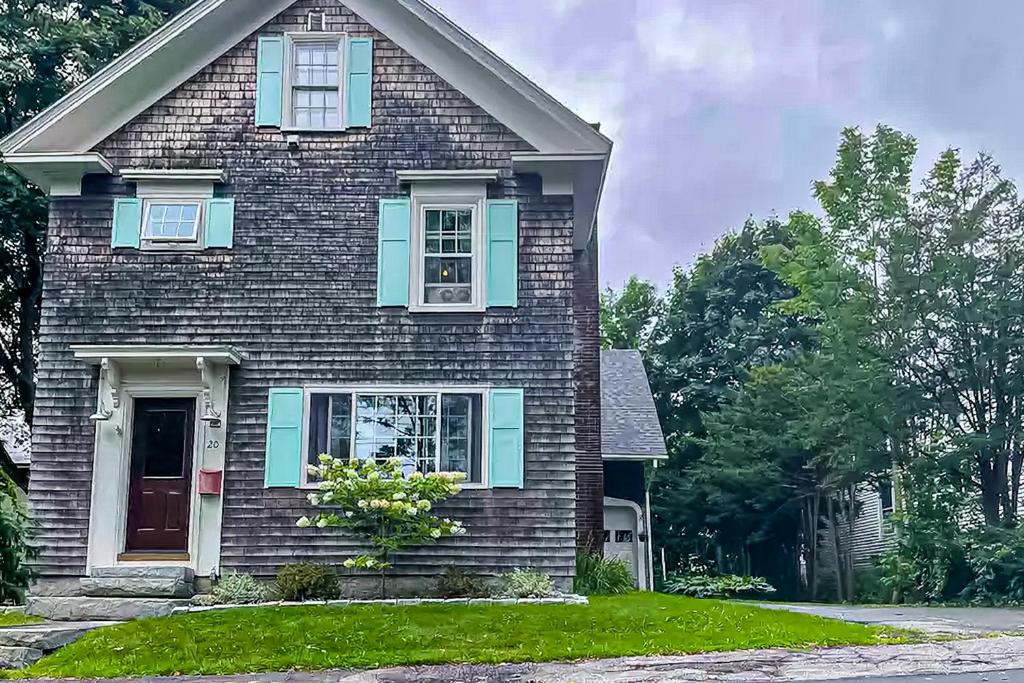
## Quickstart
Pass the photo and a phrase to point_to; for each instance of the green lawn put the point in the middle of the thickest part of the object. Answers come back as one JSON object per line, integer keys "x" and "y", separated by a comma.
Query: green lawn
{"x": 317, "y": 638}
{"x": 16, "y": 619}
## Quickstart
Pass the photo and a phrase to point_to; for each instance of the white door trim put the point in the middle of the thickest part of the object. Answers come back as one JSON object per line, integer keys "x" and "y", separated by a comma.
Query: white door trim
{"x": 639, "y": 548}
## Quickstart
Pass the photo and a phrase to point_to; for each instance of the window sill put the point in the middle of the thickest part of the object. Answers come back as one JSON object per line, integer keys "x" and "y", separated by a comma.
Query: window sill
{"x": 420, "y": 308}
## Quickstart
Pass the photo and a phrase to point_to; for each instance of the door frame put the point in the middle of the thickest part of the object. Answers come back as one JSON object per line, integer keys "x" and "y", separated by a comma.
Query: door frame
{"x": 191, "y": 476}
{"x": 121, "y": 516}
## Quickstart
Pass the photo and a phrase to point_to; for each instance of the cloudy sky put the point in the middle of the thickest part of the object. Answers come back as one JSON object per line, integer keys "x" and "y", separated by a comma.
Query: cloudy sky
{"x": 725, "y": 109}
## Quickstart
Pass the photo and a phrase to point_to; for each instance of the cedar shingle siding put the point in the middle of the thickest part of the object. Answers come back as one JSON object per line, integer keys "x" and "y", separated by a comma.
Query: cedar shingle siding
{"x": 297, "y": 295}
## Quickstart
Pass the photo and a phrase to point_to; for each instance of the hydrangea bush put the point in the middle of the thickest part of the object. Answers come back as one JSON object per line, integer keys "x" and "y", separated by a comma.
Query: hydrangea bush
{"x": 377, "y": 502}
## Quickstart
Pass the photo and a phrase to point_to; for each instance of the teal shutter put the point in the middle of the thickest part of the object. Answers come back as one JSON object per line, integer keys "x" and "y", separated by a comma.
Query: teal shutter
{"x": 503, "y": 252}
{"x": 220, "y": 223}
{"x": 127, "y": 228}
{"x": 359, "y": 82}
{"x": 269, "y": 81}
{"x": 393, "y": 252}
{"x": 505, "y": 444}
{"x": 284, "y": 438}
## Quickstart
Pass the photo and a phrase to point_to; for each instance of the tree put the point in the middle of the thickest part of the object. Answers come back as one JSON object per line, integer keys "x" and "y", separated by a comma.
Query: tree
{"x": 46, "y": 48}
{"x": 628, "y": 318}
{"x": 718, "y": 321}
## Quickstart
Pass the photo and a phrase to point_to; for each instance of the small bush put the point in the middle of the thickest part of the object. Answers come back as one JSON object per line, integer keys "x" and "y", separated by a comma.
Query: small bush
{"x": 596, "y": 575}
{"x": 456, "y": 583}
{"x": 235, "y": 589}
{"x": 727, "y": 586}
{"x": 525, "y": 583}
{"x": 307, "y": 581}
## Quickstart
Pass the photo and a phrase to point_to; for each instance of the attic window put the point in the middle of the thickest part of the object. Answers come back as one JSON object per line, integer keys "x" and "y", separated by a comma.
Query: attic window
{"x": 314, "y": 82}
{"x": 316, "y": 21}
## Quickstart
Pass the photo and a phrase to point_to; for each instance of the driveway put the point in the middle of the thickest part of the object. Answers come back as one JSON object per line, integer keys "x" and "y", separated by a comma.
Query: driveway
{"x": 950, "y": 620}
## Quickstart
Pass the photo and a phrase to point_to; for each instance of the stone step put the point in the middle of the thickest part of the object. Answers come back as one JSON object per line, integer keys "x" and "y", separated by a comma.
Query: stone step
{"x": 183, "y": 574}
{"x": 49, "y": 636}
{"x": 101, "y": 609}
{"x": 119, "y": 587}
{"x": 19, "y": 657}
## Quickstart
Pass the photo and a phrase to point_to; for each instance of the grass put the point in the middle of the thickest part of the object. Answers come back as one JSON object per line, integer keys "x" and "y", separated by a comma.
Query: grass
{"x": 17, "y": 619}
{"x": 362, "y": 637}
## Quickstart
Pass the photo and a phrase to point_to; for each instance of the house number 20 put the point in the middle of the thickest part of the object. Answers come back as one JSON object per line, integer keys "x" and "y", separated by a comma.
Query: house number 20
{"x": 212, "y": 445}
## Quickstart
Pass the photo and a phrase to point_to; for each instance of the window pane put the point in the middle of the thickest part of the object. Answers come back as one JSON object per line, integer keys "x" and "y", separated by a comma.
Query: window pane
{"x": 165, "y": 220}
{"x": 163, "y": 436}
{"x": 461, "y": 435}
{"x": 330, "y": 426}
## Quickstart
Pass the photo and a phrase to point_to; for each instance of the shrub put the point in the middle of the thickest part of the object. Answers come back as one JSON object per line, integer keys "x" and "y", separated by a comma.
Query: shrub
{"x": 525, "y": 583}
{"x": 15, "y": 551}
{"x": 307, "y": 581}
{"x": 377, "y": 502}
{"x": 726, "y": 586}
{"x": 236, "y": 589}
{"x": 455, "y": 583}
{"x": 596, "y": 575}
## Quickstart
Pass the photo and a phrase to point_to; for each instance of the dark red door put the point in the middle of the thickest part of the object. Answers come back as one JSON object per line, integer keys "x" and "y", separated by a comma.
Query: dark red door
{"x": 160, "y": 486}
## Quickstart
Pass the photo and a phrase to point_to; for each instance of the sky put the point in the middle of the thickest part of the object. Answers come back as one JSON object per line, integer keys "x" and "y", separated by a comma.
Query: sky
{"x": 723, "y": 110}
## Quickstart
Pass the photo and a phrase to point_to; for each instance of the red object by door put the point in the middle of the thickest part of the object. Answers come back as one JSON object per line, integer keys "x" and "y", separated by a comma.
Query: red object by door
{"x": 160, "y": 484}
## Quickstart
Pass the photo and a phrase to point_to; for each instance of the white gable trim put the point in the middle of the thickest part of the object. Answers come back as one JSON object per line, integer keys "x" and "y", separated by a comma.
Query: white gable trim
{"x": 208, "y": 29}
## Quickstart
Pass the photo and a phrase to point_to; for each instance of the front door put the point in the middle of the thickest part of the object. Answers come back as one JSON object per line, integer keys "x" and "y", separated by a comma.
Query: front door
{"x": 160, "y": 483}
{"x": 620, "y": 542}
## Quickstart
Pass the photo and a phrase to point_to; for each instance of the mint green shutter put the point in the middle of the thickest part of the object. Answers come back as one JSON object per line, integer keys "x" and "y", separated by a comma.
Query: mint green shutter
{"x": 127, "y": 228}
{"x": 393, "y": 252}
{"x": 220, "y": 223}
{"x": 359, "y": 82}
{"x": 269, "y": 81}
{"x": 284, "y": 438}
{"x": 505, "y": 444}
{"x": 503, "y": 252}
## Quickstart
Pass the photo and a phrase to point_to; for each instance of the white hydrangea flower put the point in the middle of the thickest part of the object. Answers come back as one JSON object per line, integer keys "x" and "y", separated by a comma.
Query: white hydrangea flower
{"x": 304, "y": 523}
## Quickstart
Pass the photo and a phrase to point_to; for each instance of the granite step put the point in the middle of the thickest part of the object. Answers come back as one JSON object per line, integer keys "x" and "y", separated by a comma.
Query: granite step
{"x": 19, "y": 657}
{"x": 139, "y": 582}
{"x": 48, "y": 636}
{"x": 101, "y": 608}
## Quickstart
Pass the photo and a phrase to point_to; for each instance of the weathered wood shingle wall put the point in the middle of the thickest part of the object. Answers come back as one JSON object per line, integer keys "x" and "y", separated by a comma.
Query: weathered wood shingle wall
{"x": 297, "y": 296}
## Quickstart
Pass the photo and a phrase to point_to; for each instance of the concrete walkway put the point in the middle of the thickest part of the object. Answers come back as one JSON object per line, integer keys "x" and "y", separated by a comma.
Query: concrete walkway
{"x": 948, "y": 620}
{"x": 768, "y": 666}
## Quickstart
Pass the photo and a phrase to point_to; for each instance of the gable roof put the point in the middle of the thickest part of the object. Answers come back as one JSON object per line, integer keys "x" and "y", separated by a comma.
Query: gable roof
{"x": 629, "y": 419}
{"x": 209, "y": 28}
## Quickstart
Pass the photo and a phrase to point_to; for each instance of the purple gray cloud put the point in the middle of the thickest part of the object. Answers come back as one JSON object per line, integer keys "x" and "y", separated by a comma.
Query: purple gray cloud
{"x": 725, "y": 109}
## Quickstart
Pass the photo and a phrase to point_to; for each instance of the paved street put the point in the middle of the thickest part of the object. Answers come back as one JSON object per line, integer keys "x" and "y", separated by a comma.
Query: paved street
{"x": 954, "y": 620}
{"x": 999, "y": 659}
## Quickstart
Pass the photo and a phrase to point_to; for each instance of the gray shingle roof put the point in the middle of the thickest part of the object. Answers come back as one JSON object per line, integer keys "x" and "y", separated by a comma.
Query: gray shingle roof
{"x": 629, "y": 420}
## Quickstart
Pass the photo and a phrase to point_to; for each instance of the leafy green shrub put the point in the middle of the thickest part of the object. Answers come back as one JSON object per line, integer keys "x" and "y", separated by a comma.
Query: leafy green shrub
{"x": 307, "y": 581}
{"x": 235, "y": 589}
{"x": 596, "y": 575}
{"x": 15, "y": 551}
{"x": 525, "y": 583}
{"x": 382, "y": 506}
{"x": 726, "y": 586}
{"x": 456, "y": 583}
{"x": 995, "y": 557}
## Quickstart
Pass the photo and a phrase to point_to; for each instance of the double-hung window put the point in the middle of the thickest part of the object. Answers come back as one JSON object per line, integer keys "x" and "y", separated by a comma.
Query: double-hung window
{"x": 428, "y": 431}
{"x": 314, "y": 85}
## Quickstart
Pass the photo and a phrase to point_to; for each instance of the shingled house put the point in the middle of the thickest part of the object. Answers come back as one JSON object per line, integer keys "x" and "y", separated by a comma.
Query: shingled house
{"x": 282, "y": 228}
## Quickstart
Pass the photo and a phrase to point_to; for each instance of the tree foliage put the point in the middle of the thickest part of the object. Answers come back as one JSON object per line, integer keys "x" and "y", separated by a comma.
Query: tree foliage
{"x": 46, "y": 48}
{"x": 801, "y": 363}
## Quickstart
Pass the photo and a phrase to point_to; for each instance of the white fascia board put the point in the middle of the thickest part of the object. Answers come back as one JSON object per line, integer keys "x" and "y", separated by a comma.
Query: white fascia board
{"x": 141, "y": 352}
{"x": 637, "y": 457}
{"x": 142, "y": 175}
{"x": 150, "y": 70}
{"x": 485, "y": 176}
{"x": 582, "y": 175}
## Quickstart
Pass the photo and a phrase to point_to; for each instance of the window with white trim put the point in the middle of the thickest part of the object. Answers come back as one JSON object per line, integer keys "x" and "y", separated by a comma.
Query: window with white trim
{"x": 886, "y": 500}
{"x": 172, "y": 220}
{"x": 448, "y": 252}
{"x": 313, "y": 84}
{"x": 429, "y": 431}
